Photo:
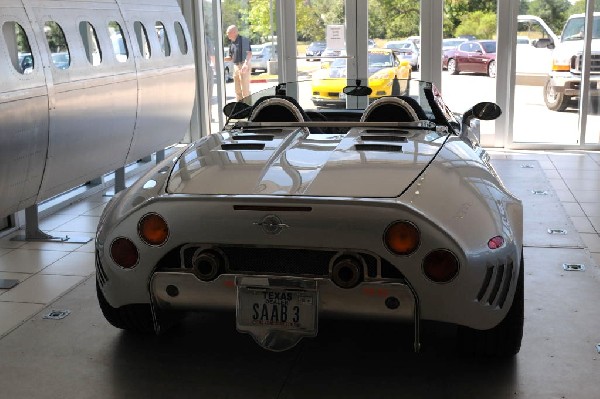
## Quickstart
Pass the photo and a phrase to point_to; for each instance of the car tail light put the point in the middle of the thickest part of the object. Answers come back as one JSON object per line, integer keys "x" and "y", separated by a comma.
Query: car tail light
{"x": 440, "y": 266}
{"x": 124, "y": 253}
{"x": 402, "y": 238}
{"x": 495, "y": 242}
{"x": 153, "y": 229}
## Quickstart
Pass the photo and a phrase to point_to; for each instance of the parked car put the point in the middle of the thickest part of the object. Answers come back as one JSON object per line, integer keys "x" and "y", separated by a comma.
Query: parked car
{"x": 371, "y": 43}
{"x": 315, "y": 49}
{"x": 400, "y": 217}
{"x": 566, "y": 71}
{"x": 383, "y": 64}
{"x": 227, "y": 67}
{"x": 473, "y": 56}
{"x": 329, "y": 54}
{"x": 407, "y": 50}
{"x": 262, "y": 54}
{"x": 452, "y": 43}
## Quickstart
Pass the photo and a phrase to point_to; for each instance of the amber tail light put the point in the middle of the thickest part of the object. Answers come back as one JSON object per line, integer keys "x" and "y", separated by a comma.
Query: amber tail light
{"x": 153, "y": 229}
{"x": 402, "y": 238}
{"x": 441, "y": 266}
{"x": 124, "y": 253}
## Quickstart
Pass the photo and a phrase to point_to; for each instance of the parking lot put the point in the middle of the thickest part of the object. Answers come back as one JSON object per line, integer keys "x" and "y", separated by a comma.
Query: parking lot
{"x": 533, "y": 122}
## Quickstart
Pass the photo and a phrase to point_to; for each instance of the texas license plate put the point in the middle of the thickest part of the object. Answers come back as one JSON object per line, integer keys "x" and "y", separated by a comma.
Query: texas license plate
{"x": 277, "y": 308}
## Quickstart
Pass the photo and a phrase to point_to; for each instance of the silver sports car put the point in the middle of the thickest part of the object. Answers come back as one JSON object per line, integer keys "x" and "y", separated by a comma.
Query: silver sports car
{"x": 293, "y": 214}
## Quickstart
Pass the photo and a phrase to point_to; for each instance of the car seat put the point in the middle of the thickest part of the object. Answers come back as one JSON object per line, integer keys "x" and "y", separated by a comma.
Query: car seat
{"x": 391, "y": 109}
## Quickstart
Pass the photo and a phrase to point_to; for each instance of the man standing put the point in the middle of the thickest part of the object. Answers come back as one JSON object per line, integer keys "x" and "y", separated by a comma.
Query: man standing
{"x": 241, "y": 54}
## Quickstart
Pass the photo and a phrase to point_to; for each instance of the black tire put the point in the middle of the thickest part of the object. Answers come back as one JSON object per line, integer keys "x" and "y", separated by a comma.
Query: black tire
{"x": 555, "y": 101}
{"x": 136, "y": 318}
{"x": 504, "y": 340}
{"x": 452, "y": 70}
{"x": 491, "y": 69}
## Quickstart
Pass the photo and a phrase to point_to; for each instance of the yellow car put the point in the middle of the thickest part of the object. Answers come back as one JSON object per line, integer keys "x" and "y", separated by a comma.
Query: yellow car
{"x": 384, "y": 66}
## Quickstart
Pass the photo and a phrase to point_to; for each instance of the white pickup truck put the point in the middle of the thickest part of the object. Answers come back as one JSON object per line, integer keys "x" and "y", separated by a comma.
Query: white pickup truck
{"x": 564, "y": 78}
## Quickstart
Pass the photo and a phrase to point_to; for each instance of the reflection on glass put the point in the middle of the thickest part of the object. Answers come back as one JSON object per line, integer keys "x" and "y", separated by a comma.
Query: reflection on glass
{"x": 57, "y": 44}
{"x": 163, "y": 38}
{"x": 183, "y": 47}
{"x": 16, "y": 39}
{"x": 118, "y": 41}
{"x": 90, "y": 43}
{"x": 142, "y": 39}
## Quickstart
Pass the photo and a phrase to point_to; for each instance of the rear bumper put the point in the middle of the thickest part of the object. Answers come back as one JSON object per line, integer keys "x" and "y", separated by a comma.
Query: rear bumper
{"x": 365, "y": 301}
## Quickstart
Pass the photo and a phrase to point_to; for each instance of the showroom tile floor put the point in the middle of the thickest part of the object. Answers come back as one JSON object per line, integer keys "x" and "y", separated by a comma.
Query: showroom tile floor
{"x": 48, "y": 270}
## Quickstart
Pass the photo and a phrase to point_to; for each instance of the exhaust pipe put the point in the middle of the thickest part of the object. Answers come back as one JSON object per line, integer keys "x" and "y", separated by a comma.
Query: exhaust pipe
{"x": 346, "y": 272}
{"x": 207, "y": 264}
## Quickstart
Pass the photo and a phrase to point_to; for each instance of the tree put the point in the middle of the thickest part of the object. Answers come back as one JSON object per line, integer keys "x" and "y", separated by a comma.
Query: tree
{"x": 553, "y": 12}
{"x": 391, "y": 19}
{"x": 479, "y": 23}
{"x": 579, "y": 7}
{"x": 456, "y": 10}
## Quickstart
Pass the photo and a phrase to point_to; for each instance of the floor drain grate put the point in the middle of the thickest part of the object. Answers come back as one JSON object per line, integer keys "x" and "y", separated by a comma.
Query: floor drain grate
{"x": 557, "y": 231}
{"x": 539, "y": 192}
{"x": 527, "y": 166}
{"x": 57, "y": 314}
{"x": 573, "y": 267}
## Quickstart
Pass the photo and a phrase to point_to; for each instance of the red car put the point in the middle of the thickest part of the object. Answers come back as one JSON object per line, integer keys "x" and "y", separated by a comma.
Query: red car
{"x": 473, "y": 56}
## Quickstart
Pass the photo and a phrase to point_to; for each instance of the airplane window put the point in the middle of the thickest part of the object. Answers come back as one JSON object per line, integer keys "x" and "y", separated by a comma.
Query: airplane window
{"x": 118, "y": 41}
{"x": 142, "y": 39}
{"x": 17, "y": 43}
{"x": 90, "y": 43}
{"x": 163, "y": 38}
{"x": 57, "y": 44}
{"x": 181, "y": 38}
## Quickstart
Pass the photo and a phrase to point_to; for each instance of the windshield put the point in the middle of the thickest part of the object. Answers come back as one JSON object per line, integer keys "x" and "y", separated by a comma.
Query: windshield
{"x": 575, "y": 29}
{"x": 489, "y": 47}
{"x": 422, "y": 93}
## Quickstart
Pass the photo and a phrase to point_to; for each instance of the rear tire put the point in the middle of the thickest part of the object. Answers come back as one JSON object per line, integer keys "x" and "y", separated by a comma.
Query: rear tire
{"x": 504, "y": 340}
{"x": 136, "y": 318}
{"x": 555, "y": 101}
{"x": 452, "y": 70}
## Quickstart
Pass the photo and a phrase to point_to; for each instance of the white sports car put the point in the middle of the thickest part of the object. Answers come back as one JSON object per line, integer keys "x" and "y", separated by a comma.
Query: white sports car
{"x": 290, "y": 215}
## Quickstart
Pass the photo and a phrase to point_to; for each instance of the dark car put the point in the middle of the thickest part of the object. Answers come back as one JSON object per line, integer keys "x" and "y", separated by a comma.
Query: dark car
{"x": 315, "y": 48}
{"x": 475, "y": 56}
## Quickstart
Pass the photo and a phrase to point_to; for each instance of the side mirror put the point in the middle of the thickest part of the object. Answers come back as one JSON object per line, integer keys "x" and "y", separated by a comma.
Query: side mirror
{"x": 486, "y": 111}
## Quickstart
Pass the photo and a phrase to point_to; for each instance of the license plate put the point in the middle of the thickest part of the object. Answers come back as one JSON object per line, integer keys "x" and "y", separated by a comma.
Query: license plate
{"x": 277, "y": 308}
{"x": 342, "y": 96}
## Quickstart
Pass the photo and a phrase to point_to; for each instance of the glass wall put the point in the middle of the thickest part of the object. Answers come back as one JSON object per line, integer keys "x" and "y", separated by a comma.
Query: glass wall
{"x": 469, "y": 65}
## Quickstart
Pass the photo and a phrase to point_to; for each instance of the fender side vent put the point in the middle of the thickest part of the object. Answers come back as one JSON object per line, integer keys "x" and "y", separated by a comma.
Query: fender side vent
{"x": 508, "y": 277}
{"x": 253, "y": 137}
{"x": 100, "y": 273}
{"x": 378, "y": 147}
{"x": 243, "y": 146}
{"x": 383, "y": 137}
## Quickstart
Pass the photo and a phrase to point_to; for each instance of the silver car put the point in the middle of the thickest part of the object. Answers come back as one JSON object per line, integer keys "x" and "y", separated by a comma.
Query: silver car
{"x": 407, "y": 50}
{"x": 262, "y": 54}
{"x": 390, "y": 213}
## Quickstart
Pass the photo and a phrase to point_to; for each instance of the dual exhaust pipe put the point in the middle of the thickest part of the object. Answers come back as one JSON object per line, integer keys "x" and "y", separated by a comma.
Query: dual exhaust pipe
{"x": 346, "y": 271}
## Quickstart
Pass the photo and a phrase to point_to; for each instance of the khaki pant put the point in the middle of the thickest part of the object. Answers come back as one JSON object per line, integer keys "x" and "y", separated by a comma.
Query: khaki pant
{"x": 241, "y": 81}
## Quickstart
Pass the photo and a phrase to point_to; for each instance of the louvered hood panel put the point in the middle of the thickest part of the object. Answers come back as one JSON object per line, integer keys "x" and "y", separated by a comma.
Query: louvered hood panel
{"x": 361, "y": 163}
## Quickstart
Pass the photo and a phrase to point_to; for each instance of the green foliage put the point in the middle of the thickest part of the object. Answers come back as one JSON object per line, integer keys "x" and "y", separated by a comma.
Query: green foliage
{"x": 579, "y": 7}
{"x": 393, "y": 19}
{"x": 479, "y": 23}
{"x": 553, "y": 12}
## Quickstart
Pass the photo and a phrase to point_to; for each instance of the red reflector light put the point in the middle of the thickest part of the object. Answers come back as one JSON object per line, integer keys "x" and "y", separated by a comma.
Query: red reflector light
{"x": 440, "y": 266}
{"x": 124, "y": 253}
{"x": 495, "y": 242}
